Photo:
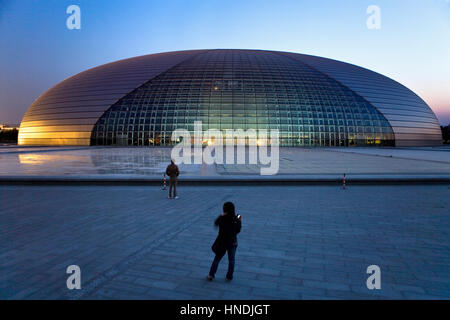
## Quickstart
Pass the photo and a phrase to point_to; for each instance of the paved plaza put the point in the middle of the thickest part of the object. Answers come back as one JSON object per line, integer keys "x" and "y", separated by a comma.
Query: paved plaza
{"x": 135, "y": 162}
{"x": 297, "y": 242}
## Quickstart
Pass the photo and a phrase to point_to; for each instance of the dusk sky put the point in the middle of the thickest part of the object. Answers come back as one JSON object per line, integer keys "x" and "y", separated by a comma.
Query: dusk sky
{"x": 37, "y": 50}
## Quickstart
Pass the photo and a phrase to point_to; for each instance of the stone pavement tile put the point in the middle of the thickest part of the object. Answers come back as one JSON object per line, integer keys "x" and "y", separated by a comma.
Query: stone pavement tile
{"x": 260, "y": 270}
{"x": 228, "y": 288}
{"x": 241, "y": 275}
{"x": 387, "y": 291}
{"x": 170, "y": 294}
{"x": 293, "y": 289}
{"x": 350, "y": 295}
{"x": 130, "y": 287}
{"x": 310, "y": 274}
{"x": 343, "y": 277}
{"x": 315, "y": 245}
{"x": 175, "y": 258}
{"x": 170, "y": 271}
{"x": 280, "y": 280}
{"x": 169, "y": 285}
{"x": 120, "y": 295}
{"x": 149, "y": 282}
{"x": 403, "y": 288}
{"x": 126, "y": 278}
{"x": 22, "y": 293}
{"x": 142, "y": 275}
{"x": 203, "y": 292}
{"x": 317, "y": 297}
{"x": 104, "y": 293}
{"x": 231, "y": 295}
{"x": 438, "y": 291}
{"x": 303, "y": 290}
{"x": 52, "y": 295}
{"x": 419, "y": 296}
{"x": 258, "y": 283}
{"x": 326, "y": 285}
{"x": 275, "y": 294}
{"x": 281, "y": 267}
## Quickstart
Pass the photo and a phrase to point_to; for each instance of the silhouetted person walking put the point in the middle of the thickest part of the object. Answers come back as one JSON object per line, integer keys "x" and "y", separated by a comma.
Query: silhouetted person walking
{"x": 229, "y": 226}
{"x": 173, "y": 173}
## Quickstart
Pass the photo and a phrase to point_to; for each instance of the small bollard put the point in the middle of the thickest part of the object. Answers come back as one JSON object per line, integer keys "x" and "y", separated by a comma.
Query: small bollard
{"x": 164, "y": 183}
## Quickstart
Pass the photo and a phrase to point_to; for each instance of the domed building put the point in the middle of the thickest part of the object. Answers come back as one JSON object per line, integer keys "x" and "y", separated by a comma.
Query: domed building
{"x": 312, "y": 101}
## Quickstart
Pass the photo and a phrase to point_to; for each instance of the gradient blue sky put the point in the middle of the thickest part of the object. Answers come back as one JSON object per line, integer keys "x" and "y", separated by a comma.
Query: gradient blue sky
{"x": 37, "y": 50}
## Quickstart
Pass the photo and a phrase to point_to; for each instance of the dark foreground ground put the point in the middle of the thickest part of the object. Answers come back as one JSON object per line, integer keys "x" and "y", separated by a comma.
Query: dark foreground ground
{"x": 304, "y": 242}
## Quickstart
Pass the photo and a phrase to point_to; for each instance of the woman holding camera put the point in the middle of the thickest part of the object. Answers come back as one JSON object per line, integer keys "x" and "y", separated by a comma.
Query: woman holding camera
{"x": 229, "y": 226}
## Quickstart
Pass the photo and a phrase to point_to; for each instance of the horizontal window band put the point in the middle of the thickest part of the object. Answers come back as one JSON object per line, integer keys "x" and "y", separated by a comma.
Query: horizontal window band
{"x": 74, "y": 121}
{"x": 75, "y": 115}
{"x": 55, "y": 135}
{"x": 72, "y": 128}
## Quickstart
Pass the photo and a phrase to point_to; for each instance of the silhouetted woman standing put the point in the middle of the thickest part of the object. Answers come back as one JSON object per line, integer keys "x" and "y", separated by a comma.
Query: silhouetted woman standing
{"x": 229, "y": 226}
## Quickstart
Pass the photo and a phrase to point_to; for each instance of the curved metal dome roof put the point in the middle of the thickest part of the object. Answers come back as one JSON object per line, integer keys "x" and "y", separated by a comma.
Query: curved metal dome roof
{"x": 67, "y": 114}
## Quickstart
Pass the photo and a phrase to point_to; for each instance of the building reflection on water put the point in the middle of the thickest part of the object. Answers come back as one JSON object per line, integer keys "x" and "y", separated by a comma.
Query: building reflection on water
{"x": 140, "y": 161}
{"x": 130, "y": 161}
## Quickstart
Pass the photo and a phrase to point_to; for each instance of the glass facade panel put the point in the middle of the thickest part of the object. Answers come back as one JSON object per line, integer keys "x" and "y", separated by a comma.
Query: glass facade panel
{"x": 240, "y": 89}
{"x": 389, "y": 97}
